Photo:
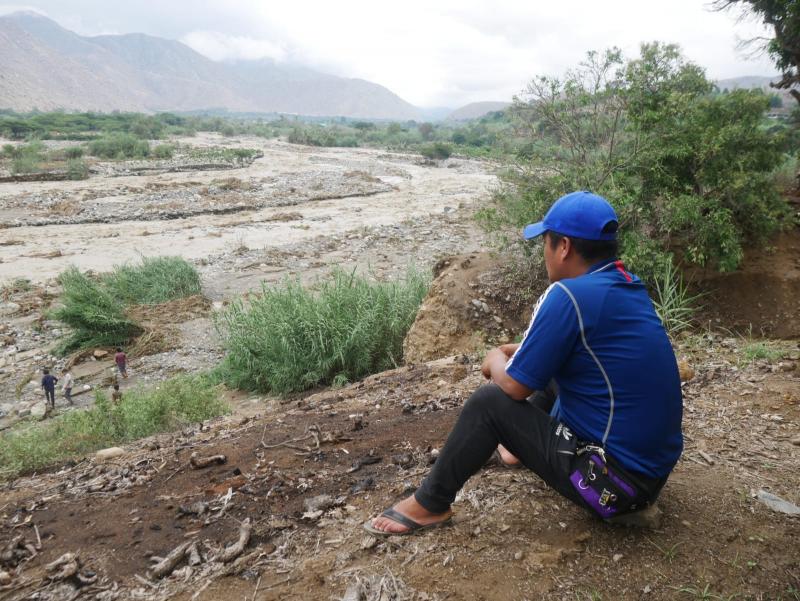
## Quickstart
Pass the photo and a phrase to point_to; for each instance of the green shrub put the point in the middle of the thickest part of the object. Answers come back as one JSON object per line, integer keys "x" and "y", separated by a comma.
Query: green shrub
{"x": 141, "y": 412}
{"x": 25, "y": 158}
{"x": 94, "y": 315}
{"x": 95, "y": 309}
{"x": 119, "y": 146}
{"x": 688, "y": 171}
{"x": 156, "y": 280}
{"x": 164, "y": 151}
{"x": 77, "y": 169}
{"x": 73, "y": 152}
{"x": 291, "y": 338}
{"x": 436, "y": 151}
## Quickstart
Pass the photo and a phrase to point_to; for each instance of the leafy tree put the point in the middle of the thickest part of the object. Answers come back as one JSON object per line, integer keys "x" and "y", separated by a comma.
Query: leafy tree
{"x": 689, "y": 171}
{"x": 783, "y": 16}
{"x": 425, "y": 130}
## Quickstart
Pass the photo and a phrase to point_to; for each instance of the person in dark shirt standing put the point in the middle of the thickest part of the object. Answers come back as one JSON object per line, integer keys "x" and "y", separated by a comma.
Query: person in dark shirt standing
{"x": 121, "y": 360}
{"x": 49, "y": 387}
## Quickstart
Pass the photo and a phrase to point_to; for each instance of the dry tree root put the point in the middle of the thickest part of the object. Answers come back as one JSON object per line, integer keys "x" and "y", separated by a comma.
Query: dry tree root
{"x": 64, "y": 567}
{"x": 193, "y": 555}
{"x": 232, "y": 552}
{"x": 17, "y": 550}
{"x": 170, "y": 562}
{"x": 198, "y": 462}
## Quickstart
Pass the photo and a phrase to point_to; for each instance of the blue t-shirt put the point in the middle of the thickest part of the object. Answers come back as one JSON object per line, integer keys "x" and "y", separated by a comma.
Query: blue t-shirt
{"x": 599, "y": 337}
{"x": 49, "y": 382}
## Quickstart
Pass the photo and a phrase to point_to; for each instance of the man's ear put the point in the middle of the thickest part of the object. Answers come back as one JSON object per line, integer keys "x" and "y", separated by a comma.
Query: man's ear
{"x": 564, "y": 248}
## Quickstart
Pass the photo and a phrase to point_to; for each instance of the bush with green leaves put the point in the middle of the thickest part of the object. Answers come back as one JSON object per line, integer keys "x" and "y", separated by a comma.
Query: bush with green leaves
{"x": 25, "y": 158}
{"x": 164, "y": 151}
{"x": 168, "y": 406}
{"x": 688, "y": 171}
{"x": 119, "y": 146}
{"x": 73, "y": 152}
{"x": 77, "y": 169}
{"x": 94, "y": 315}
{"x": 437, "y": 151}
{"x": 291, "y": 338}
{"x": 95, "y": 308}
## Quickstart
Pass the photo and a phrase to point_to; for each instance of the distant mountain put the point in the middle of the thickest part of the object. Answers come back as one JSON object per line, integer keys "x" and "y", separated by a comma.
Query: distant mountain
{"x": 747, "y": 82}
{"x": 47, "y": 67}
{"x": 476, "y": 110}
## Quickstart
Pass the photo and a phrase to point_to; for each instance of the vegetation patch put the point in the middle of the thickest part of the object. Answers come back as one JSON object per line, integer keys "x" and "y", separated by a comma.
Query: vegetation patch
{"x": 291, "y": 338}
{"x": 689, "y": 170}
{"x": 119, "y": 146}
{"x": 141, "y": 412}
{"x": 155, "y": 280}
{"x": 241, "y": 156}
{"x": 97, "y": 309}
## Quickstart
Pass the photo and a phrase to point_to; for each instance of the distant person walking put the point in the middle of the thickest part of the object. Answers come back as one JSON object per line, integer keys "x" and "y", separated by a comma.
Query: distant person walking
{"x": 66, "y": 385}
{"x": 121, "y": 360}
{"x": 49, "y": 387}
{"x": 116, "y": 394}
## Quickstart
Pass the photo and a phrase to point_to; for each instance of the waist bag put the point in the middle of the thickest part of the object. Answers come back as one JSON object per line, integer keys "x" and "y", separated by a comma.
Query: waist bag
{"x": 604, "y": 485}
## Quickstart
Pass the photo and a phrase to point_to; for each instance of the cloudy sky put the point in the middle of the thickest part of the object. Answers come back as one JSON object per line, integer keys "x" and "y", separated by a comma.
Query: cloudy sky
{"x": 430, "y": 52}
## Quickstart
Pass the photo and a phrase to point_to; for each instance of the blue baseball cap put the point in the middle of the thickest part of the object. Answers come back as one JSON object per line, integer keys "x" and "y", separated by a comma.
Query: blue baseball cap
{"x": 578, "y": 214}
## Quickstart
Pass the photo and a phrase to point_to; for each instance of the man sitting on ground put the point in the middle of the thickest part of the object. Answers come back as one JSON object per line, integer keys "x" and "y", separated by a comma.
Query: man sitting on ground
{"x": 612, "y": 435}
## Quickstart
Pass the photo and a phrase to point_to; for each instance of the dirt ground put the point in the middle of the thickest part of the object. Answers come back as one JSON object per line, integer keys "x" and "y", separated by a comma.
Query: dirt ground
{"x": 309, "y": 470}
{"x": 512, "y": 537}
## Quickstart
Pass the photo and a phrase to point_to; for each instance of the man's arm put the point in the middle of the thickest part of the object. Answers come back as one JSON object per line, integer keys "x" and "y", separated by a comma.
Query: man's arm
{"x": 494, "y": 368}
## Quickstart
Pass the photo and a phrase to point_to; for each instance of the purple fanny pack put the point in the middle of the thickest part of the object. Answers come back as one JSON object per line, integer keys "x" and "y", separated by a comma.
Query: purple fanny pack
{"x": 604, "y": 488}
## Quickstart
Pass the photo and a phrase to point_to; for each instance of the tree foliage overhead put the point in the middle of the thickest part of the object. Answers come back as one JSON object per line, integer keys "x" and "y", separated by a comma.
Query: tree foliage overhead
{"x": 688, "y": 171}
{"x": 783, "y": 16}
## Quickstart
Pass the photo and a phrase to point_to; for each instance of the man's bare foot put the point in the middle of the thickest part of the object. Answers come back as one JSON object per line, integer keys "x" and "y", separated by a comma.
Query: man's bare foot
{"x": 507, "y": 457}
{"x": 411, "y": 509}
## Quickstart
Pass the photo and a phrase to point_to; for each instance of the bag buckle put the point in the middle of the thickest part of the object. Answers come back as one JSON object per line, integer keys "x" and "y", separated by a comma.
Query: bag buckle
{"x": 607, "y": 497}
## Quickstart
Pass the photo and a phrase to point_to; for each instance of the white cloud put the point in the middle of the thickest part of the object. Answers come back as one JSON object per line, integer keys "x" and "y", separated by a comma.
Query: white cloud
{"x": 6, "y": 9}
{"x": 431, "y": 52}
{"x": 221, "y": 47}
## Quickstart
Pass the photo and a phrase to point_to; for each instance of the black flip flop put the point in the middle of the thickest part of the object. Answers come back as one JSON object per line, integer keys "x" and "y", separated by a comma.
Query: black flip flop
{"x": 413, "y": 527}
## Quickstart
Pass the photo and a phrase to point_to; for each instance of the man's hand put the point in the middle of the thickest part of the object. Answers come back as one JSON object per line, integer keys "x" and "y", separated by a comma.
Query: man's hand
{"x": 494, "y": 368}
{"x": 509, "y": 349}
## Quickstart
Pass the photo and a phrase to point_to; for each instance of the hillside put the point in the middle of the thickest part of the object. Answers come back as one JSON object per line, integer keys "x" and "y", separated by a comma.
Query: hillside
{"x": 47, "y": 67}
{"x": 475, "y": 110}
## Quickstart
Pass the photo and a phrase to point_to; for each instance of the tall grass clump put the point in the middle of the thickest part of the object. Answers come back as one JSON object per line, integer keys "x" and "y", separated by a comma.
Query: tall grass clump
{"x": 673, "y": 302}
{"x": 96, "y": 309}
{"x": 141, "y": 412}
{"x": 119, "y": 146}
{"x": 95, "y": 316}
{"x": 292, "y": 338}
{"x": 156, "y": 280}
{"x": 25, "y": 158}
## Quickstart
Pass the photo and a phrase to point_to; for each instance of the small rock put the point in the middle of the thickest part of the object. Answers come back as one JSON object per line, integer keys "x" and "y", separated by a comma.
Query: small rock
{"x": 786, "y": 366}
{"x": 796, "y": 441}
{"x": 5, "y": 578}
{"x": 519, "y": 555}
{"x": 368, "y": 542}
{"x": 8, "y": 308}
{"x": 617, "y": 557}
{"x": 685, "y": 370}
{"x": 109, "y": 453}
{"x": 99, "y": 354}
{"x": 646, "y": 590}
{"x": 777, "y": 504}
{"x": 318, "y": 503}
